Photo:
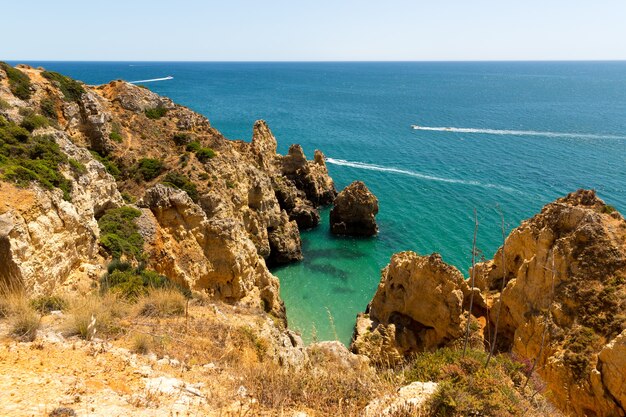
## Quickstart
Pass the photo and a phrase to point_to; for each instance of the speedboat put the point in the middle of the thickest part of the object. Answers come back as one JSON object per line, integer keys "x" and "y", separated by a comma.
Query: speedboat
{"x": 415, "y": 126}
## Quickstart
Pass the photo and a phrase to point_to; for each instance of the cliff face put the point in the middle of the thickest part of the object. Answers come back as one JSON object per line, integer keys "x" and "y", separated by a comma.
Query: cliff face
{"x": 565, "y": 276}
{"x": 226, "y": 210}
{"x": 563, "y": 304}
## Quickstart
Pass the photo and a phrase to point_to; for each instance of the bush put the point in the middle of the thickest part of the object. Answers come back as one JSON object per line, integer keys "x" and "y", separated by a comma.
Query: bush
{"x": 180, "y": 181}
{"x": 110, "y": 166}
{"x": 25, "y": 324}
{"x": 155, "y": 113}
{"x": 608, "y": 209}
{"x": 48, "y": 108}
{"x": 72, "y": 90}
{"x": 149, "y": 168}
{"x": 34, "y": 121}
{"x": 78, "y": 167}
{"x": 4, "y": 105}
{"x": 181, "y": 139}
{"x": 116, "y": 137}
{"x": 19, "y": 83}
{"x": 204, "y": 154}
{"x": 25, "y": 158}
{"x": 193, "y": 146}
{"x": 119, "y": 234}
{"x": 131, "y": 283}
{"x": 46, "y": 304}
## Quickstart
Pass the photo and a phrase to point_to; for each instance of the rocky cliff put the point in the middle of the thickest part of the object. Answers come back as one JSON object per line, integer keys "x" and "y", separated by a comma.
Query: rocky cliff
{"x": 562, "y": 310}
{"x": 354, "y": 211}
{"x": 215, "y": 212}
{"x": 564, "y": 300}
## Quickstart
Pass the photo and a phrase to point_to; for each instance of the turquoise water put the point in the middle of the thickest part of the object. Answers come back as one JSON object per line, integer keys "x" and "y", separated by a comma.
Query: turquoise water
{"x": 428, "y": 181}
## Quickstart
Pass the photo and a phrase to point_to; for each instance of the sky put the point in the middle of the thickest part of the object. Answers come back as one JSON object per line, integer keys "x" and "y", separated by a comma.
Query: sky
{"x": 313, "y": 30}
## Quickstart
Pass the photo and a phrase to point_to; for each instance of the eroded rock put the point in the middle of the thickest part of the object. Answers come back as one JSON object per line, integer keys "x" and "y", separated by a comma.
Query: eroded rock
{"x": 354, "y": 211}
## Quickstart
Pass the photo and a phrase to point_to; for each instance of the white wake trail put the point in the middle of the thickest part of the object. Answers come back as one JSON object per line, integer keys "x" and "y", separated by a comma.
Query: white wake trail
{"x": 517, "y": 132}
{"x": 373, "y": 167}
{"x": 169, "y": 77}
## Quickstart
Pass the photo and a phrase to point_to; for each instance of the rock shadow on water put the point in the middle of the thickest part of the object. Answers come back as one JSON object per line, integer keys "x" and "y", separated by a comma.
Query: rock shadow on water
{"x": 329, "y": 270}
{"x": 342, "y": 290}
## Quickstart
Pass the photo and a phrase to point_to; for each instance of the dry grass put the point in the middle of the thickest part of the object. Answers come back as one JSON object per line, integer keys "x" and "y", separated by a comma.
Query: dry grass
{"x": 24, "y": 320}
{"x": 322, "y": 389}
{"x": 141, "y": 343}
{"x": 105, "y": 312}
{"x": 162, "y": 302}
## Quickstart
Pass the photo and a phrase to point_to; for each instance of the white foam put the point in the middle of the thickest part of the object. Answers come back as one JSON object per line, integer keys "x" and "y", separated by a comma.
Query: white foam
{"x": 373, "y": 167}
{"x": 169, "y": 77}
{"x": 518, "y": 132}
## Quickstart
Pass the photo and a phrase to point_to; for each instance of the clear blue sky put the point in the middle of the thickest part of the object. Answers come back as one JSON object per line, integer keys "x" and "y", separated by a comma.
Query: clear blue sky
{"x": 284, "y": 30}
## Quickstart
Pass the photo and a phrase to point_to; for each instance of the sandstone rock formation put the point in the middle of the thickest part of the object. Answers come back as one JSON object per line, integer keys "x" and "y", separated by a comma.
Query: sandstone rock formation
{"x": 565, "y": 283}
{"x": 563, "y": 304}
{"x": 45, "y": 239}
{"x": 309, "y": 176}
{"x": 237, "y": 211}
{"x": 418, "y": 306}
{"x": 354, "y": 211}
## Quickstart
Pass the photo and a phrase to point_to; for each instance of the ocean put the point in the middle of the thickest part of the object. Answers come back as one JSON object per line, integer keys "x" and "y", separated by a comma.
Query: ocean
{"x": 495, "y": 137}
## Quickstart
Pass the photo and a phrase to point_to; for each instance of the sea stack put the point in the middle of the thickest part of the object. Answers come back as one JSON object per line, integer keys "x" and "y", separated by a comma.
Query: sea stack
{"x": 354, "y": 211}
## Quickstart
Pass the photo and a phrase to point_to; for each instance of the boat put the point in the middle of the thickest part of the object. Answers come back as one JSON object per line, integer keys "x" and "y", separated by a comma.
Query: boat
{"x": 415, "y": 126}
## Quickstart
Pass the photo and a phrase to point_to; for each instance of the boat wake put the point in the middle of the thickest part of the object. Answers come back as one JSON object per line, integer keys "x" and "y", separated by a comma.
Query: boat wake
{"x": 517, "y": 132}
{"x": 169, "y": 77}
{"x": 373, "y": 167}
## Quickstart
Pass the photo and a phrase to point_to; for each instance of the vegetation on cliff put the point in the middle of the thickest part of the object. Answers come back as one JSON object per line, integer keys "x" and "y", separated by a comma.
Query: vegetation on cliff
{"x": 25, "y": 157}
{"x": 18, "y": 81}
{"x": 72, "y": 90}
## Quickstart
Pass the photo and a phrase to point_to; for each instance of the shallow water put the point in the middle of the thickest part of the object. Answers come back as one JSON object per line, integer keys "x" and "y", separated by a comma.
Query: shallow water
{"x": 509, "y": 135}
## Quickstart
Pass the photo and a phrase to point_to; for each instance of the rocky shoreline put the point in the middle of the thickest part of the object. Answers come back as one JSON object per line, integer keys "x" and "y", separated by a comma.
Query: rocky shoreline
{"x": 113, "y": 186}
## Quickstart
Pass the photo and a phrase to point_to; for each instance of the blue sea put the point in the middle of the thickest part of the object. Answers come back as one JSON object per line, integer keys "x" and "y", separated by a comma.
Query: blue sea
{"x": 494, "y": 137}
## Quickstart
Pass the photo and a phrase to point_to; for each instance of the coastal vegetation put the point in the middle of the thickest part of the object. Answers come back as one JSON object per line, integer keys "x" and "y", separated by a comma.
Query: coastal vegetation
{"x": 19, "y": 83}
{"x": 25, "y": 157}
{"x": 182, "y": 182}
{"x": 119, "y": 234}
{"x": 202, "y": 153}
{"x": 149, "y": 168}
{"x": 155, "y": 112}
{"x": 71, "y": 89}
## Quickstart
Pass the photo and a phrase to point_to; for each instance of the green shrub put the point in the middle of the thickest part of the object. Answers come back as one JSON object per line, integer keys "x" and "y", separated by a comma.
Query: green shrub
{"x": 19, "y": 83}
{"x": 155, "y": 113}
{"x": 131, "y": 283}
{"x": 116, "y": 137}
{"x": 77, "y": 167}
{"x": 25, "y": 158}
{"x": 608, "y": 209}
{"x": 180, "y": 181}
{"x": 128, "y": 198}
{"x": 109, "y": 164}
{"x": 34, "y": 121}
{"x": 48, "y": 108}
{"x": 4, "y": 105}
{"x": 204, "y": 154}
{"x": 149, "y": 168}
{"x": 72, "y": 90}
{"x": 119, "y": 234}
{"x": 194, "y": 146}
{"x": 181, "y": 139}
{"x": 45, "y": 304}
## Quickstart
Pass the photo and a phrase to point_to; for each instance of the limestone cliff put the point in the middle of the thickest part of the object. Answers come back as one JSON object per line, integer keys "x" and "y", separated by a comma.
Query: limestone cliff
{"x": 565, "y": 285}
{"x": 418, "y": 306}
{"x": 563, "y": 307}
{"x": 216, "y": 212}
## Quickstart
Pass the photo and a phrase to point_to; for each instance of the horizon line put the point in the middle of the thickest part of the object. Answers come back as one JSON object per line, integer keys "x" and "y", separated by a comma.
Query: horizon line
{"x": 319, "y": 61}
